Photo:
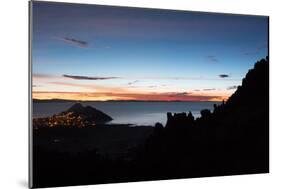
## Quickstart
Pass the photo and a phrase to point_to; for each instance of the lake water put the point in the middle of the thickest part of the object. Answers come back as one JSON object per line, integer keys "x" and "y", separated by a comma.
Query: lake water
{"x": 137, "y": 113}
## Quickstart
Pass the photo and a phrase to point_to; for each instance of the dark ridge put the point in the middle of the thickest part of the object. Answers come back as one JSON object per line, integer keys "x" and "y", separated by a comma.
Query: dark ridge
{"x": 255, "y": 87}
{"x": 233, "y": 139}
{"x": 252, "y": 95}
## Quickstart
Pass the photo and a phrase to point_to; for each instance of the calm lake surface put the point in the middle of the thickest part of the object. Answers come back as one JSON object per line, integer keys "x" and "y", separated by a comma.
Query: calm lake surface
{"x": 137, "y": 113}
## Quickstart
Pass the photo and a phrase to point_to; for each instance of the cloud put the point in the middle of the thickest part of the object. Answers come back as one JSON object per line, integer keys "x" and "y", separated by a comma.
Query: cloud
{"x": 137, "y": 79}
{"x": 224, "y": 75}
{"x": 232, "y": 87}
{"x": 133, "y": 82}
{"x": 199, "y": 78}
{"x": 77, "y": 77}
{"x": 152, "y": 86}
{"x": 72, "y": 41}
{"x": 176, "y": 94}
{"x": 257, "y": 50}
{"x": 211, "y": 89}
{"x": 43, "y": 76}
{"x": 144, "y": 86}
{"x": 212, "y": 59}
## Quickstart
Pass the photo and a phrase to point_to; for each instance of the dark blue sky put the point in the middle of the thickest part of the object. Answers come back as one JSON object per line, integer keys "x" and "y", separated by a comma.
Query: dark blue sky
{"x": 173, "y": 51}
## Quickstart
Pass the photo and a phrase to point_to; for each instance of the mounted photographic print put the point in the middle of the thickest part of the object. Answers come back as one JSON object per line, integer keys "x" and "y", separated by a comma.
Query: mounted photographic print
{"x": 122, "y": 94}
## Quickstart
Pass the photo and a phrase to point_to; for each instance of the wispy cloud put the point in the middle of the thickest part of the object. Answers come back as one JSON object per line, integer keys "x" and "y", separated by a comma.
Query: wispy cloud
{"x": 257, "y": 50}
{"x": 212, "y": 59}
{"x": 178, "y": 94}
{"x": 144, "y": 86}
{"x": 232, "y": 87}
{"x": 199, "y": 78}
{"x": 137, "y": 79}
{"x": 77, "y": 77}
{"x": 48, "y": 77}
{"x": 210, "y": 89}
{"x": 42, "y": 76}
{"x": 133, "y": 82}
{"x": 224, "y": 75}
{"x": 72, "y": 41}
{"x": 152, "y": 86}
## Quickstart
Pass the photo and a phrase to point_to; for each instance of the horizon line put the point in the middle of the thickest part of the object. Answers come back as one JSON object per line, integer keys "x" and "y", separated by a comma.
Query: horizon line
{"x": 58, "y": 99}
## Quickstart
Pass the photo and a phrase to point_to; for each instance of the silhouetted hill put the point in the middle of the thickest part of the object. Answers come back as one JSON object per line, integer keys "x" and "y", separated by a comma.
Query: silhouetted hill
{"x": 89, "y": 113}
{"x": 76, "y": 116}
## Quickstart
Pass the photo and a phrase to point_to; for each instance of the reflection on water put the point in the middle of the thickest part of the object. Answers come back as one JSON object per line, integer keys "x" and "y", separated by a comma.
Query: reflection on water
{"x": 138, "y": 113}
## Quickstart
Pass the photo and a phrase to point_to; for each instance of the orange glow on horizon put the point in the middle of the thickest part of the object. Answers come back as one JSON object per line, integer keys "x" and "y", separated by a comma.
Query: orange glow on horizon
{"x": 86, "y": 96}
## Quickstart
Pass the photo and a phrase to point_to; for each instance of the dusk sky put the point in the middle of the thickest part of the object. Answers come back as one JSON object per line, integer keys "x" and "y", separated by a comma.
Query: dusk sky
{"x": 89, "y": 52}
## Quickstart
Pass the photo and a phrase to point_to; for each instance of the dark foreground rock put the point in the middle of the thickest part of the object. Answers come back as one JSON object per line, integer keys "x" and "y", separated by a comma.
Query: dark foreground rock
{"x": 232, "y": 139}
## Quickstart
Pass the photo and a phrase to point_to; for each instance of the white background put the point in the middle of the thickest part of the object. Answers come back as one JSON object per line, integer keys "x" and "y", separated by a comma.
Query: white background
{"x": 14, "y": 93}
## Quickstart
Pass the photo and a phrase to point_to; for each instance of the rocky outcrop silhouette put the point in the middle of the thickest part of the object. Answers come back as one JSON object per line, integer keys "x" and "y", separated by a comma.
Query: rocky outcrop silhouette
{"x": 233, "y": 139}
{"x": 179, "y": 119}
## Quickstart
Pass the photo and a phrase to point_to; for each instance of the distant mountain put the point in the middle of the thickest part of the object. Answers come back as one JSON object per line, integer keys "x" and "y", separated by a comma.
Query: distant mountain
{"x": 88, "y": 113}
{"x": 51, "y": 100}
{"x": 78, "y": 101}
{"x": 76, "y": 116}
